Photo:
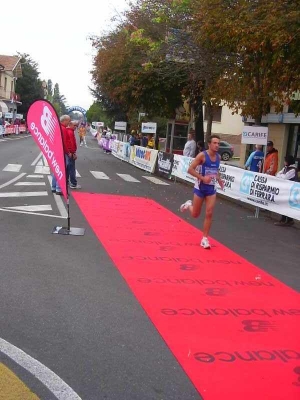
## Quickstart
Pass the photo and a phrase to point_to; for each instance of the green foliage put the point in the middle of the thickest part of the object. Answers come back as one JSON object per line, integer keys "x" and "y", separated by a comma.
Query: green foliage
{"x": 97, "y": 113}
{"x": 59, "y": 101}
{"x": 29, "y": 86}
{"x": 262, "y": 38}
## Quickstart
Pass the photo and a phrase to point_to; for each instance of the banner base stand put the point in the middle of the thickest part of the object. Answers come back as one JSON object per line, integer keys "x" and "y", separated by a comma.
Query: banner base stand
{"x": 59, "y": 230}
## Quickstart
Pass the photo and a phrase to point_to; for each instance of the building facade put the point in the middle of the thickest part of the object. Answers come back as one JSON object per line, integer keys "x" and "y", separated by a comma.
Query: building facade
{"x": 10, "y": 71}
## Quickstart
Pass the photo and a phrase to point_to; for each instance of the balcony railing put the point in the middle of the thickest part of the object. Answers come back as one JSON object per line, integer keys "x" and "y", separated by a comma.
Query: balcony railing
{"x": 8, "y": 95}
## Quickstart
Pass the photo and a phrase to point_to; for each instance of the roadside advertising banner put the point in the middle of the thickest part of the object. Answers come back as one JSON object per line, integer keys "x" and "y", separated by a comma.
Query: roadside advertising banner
{"x": 149, "y": 127}
{"x": 255, "y": 135}
{"x": 143, "y": 158}
{"x": 121, "y": 150}
{"x": 164, "y": 163}
{"x": 120, "y": 126}
{"x": 180, "y": 168}
{"x": 44, "y": 126}
{"x": 264, "y": 191}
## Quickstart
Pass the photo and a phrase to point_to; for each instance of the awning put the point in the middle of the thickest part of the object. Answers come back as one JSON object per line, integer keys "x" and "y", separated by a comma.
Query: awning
{"x": 3, "y": 107}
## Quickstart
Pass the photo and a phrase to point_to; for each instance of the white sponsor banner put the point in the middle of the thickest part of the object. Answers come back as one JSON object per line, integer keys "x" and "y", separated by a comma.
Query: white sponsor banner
{"x": 255, "y": 135}
{"x": 121, "y": 150}
{"x": 9, "y": 115}
{"x": 149, "y": 127}
{"x": 180, "y": 168}
{"x": 120, "y": 126}
{"x": 97, "y": 124}
{"x": 143, "y": 158}
{"x": 19, "y": 116}
{"x": 264, "y": 191}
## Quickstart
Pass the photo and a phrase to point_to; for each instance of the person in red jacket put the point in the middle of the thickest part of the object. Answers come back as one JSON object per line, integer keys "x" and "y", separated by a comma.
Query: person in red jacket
{"x": 64, "y": 122}
{"x": 270, "y": 165}
{"x": 71, "y": 157}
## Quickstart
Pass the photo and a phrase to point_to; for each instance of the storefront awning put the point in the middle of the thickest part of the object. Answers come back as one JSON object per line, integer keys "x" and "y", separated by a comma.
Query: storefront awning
{"x": 3, "y": 107}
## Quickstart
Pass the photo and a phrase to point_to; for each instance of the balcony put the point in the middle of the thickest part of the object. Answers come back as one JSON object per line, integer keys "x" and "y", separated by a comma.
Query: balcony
{"x": 281, "y": 118}
{"x": 9, "y": 96}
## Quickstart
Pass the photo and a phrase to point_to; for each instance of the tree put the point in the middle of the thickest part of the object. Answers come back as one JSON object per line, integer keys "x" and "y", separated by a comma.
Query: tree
{"x": 96, "y": 112}
{"x": 50, "y": 90}
{"x": 59, "y": 101}
{"x": 262, "y": 37}
{"x": 29, "y": 86}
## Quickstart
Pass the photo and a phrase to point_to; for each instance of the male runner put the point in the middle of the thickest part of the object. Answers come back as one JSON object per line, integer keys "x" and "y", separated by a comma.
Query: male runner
{"x": 205, "y": 168}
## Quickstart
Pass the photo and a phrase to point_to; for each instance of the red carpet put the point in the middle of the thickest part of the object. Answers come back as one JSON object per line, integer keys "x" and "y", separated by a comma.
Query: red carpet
{"x": 232, "y": 327}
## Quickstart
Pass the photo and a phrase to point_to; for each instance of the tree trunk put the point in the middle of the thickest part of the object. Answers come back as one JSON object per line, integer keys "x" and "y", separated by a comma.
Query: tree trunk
{"x": 209, "y": 112}
{"x": 199, "y": 129}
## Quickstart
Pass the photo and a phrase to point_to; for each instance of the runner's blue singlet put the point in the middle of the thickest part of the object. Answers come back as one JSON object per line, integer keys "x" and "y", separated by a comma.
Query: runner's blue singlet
{"x": 208, "y": 168}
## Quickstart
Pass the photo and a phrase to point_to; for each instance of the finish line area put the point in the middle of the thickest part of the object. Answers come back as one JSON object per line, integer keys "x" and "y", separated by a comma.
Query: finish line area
{"x": 233, "y": 328}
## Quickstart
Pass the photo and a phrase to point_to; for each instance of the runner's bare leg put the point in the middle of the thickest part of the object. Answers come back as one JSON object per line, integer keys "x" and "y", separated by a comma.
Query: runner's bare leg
{"x": 210, "y": 202}
{"x": 195, "y": 209}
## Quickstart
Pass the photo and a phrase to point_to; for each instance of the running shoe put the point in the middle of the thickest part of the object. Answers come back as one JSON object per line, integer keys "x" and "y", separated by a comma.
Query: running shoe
{"x": 186, "y": 205}
{"x": 205, "y": 243}
{"x": 75, "y": 186}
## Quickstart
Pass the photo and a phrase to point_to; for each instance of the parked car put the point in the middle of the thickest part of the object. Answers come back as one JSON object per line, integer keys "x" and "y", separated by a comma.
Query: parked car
{"x": 226, "y": 151}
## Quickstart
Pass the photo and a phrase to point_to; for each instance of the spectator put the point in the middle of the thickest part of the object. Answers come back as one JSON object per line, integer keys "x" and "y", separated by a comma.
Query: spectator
{"x": 151, "y": 142}
{"x": 288, "y": 172}
{"x": 137, "y": 140}
{"x": 2, "y": 127}
{"x": 82, "y": 134}
{"x": 271, "y": 162}
{"x": 132, "y": 138}
{"x": 144, "y": 141}
{"x": 255, "y": 160}
{"x": 71, "y": 159}
{"x": 190, "y": 146}
{"x": 64, "y": 121}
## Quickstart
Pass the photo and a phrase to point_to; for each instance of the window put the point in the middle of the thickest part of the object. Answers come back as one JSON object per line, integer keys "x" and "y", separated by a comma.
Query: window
{"x": 12, "y": 86}
{"x": 5, "y": 83}
{"x": 217, "y": 114}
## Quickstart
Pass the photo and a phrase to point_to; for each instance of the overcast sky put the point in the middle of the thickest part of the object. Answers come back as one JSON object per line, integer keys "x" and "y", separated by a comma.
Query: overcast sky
{"x": 55, "y": 34}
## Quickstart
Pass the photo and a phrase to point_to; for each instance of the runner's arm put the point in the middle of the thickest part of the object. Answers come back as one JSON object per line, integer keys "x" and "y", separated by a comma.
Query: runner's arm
{"x": 199, "y": 160}
{"x": 220, "y": 181}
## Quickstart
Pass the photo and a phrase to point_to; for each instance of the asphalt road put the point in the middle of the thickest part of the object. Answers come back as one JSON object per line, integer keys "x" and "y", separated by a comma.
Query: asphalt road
{"x": 65, "y": 304}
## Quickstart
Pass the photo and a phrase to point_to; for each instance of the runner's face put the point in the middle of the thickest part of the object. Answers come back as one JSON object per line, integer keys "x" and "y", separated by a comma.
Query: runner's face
{"x": 214, "y": 145}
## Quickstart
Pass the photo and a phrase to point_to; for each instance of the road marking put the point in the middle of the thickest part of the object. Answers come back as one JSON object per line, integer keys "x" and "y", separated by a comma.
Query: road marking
{"x": 42, "y": 170}
{"x": 11, "y": 385}
{"x": 45, "y": 161}
{"x": 99, "y": 175}
{"x": 13, "y": 167}
{"x": 42, "y": 207}
{"x": 155, "y": 180}
{"x": 2, "y": 140}
{"x": 37, "y": 159}
{"x": 31, "y": 213}
{"x": 128, "y": 178}
{"x": 78, "y": 174}
{"x": 23, "y": 194}
{"x": 53, "y": 382}
{"x": 30, "y": 184}
{"x": 12, "y": 180}
{"x": 35, "y": 176}
{"x": 59, "y": 202}
{"x": 40, "y": 162}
